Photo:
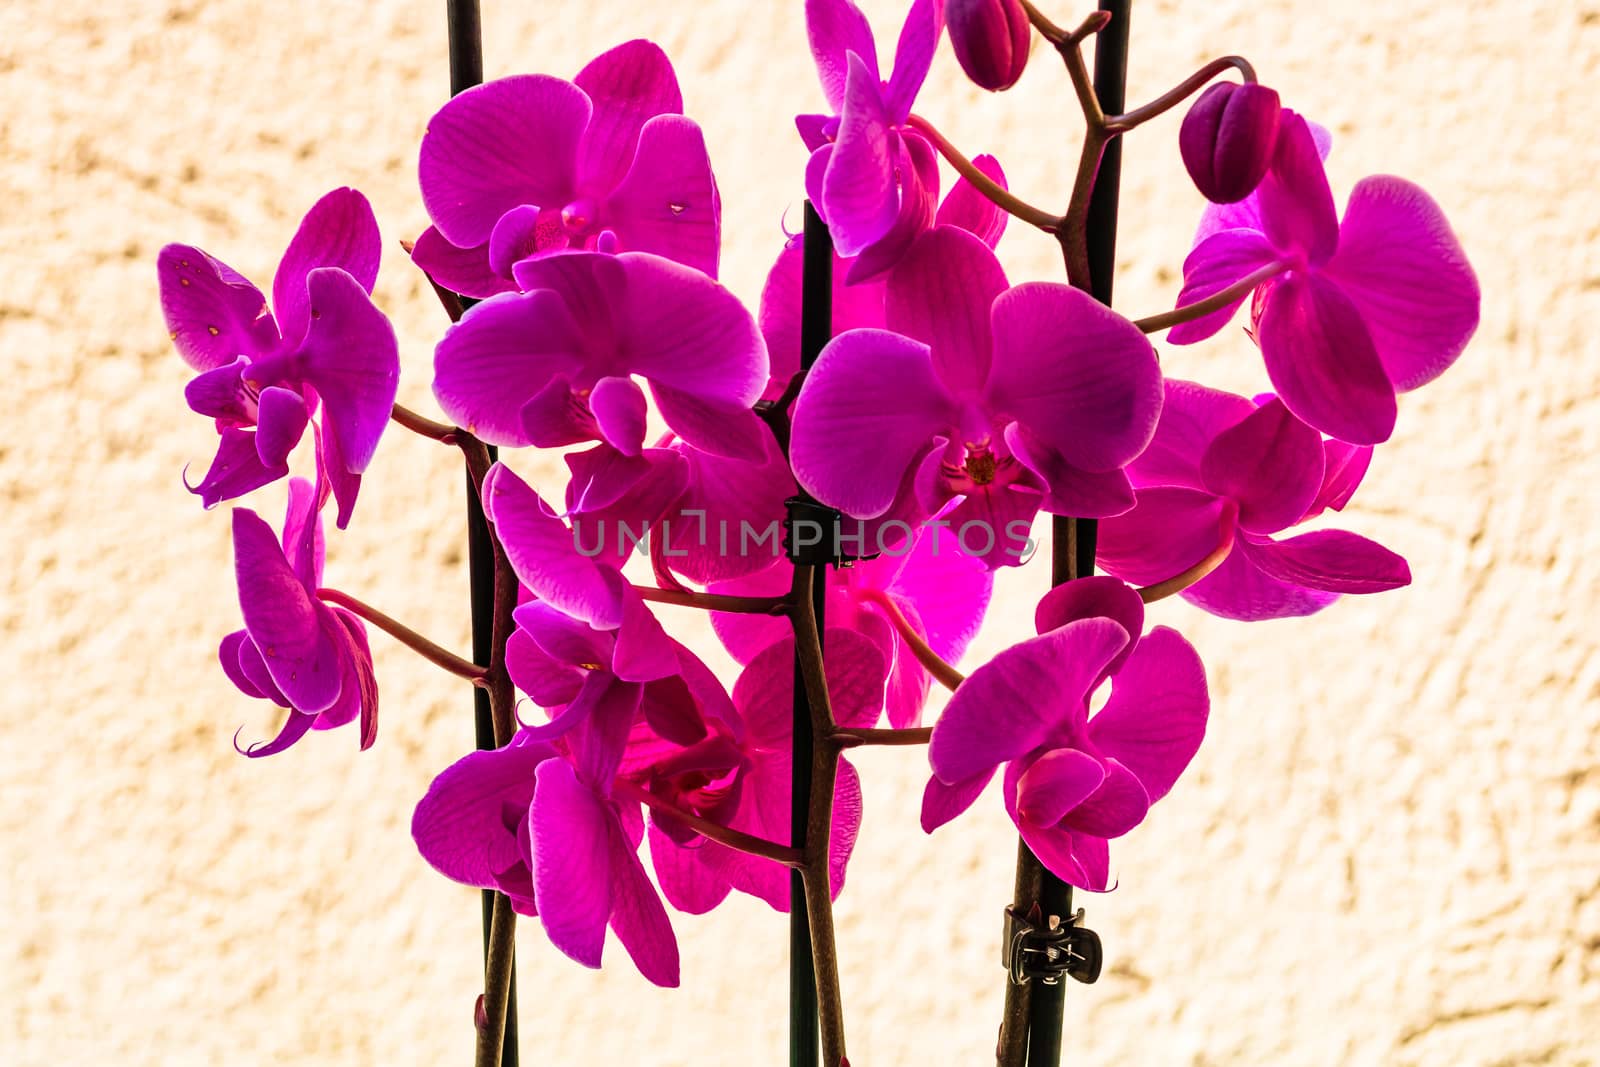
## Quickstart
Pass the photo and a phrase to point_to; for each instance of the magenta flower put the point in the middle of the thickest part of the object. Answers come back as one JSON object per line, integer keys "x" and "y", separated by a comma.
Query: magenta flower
{"x": 554, "y": 365}
{"x": 532, "y": 165}
{"x": 1073, "y": 781}
{"x": 614, "y": 500}
{"x": 858, "y": 293}
{"x": 295, "y": 650}
{"x": 737, "y": 773}
{"x": 867, "y": 168}
{"x": 942, "y": 592}
{"x": 262, "y": 373}
{"x": 990, "y": 39}
{"x": 1224, "y": 470}
{"x": 1380, "y": 303}
{"x": 1010, "y": 399}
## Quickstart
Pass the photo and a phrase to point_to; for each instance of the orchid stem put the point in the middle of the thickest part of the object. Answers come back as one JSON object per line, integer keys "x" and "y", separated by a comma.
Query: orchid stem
{"x": 855, "y": 736}
{"x": 739, "y": 605}
{"x": 497, "y": 983}
{"x": 722, "y": 835}
{"x": 1179, "y": 582}
{"x": 1181, "y": 92}
{"x": 1215, "y": 302}
{"x": 436, "y": 654}
{"x": 935, "y": 664}
{"x": 997, "y": 194}
{"x": 420, "y": 424}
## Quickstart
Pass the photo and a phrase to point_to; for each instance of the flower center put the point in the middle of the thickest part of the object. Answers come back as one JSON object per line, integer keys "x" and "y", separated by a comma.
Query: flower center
{"x": 980, "y": 465}
{"x": 578, "y": 216}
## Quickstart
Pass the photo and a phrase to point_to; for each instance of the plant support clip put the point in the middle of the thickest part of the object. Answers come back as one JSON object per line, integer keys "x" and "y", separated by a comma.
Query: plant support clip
{"x": 1061, "y": 947}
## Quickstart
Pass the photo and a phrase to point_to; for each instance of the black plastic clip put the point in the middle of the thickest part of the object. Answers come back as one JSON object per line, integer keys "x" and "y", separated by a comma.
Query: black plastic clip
{"x": 1060, "y": 948}
{"x": 810, "y": 532}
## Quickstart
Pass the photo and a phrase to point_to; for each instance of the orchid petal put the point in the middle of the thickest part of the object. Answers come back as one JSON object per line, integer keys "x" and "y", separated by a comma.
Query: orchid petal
{"x": 352, "y": 358}
{"x": 339, "y": 231}
{"x": 836, "y": 29}
{"x": 282, "y": 617}
{"x": 1078, "y": 376}
{"x": 869, "y": 408}
{"x": 668, "y": 203}
{"x": 280, "y": 421}
{"x": 235, "y": 470}
{"x": 941, "y": 803}
{"x": 1055, "y": 783}
{"x": 465, "y": 826}
{"x": 572, "y": 861}
{"x": 1156, "y": 717}
{"x": 1012, "y": 703}
{"x": 1322, "y": 362}
{"x": 860, "y": 200}
{"x": 689, "y": 884}
{"x": 1117, "y": 806}
{"x": 965, "y": 207}
{"x": 1296, "y": 204}
{"x": 637, "y": 916}
{"x": 541, "y": 551}
{"x": 626, "y": 86}
{"x": 212, "y": 313}
{"x": 1170, "y": 530}
{"x": 913, "y": 55}
{"x": 1094, "y": 596}
{"x": 723, "y": 428}
{"x": 1270, "y": 463}
{"x": 1192, "y": 415}
{"x": 681, "y": 329}
{"x": 497, "y": 146}
{"x": 619, "y": 410}
{"x": 1405, "y": 271}
{"x": 1239, "y": 589}
{"x": 941, "y": 294}
{"x": 459, "y": 270}
{"x": 1217, "y": 262}
{"x": 1333, "y": 560}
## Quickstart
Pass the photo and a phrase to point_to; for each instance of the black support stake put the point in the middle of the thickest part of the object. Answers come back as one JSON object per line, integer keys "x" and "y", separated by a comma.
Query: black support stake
{"x": 466, "y": 70}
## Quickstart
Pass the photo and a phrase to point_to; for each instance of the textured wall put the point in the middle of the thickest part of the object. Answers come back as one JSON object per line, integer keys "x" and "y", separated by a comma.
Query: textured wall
{"x": 1388, "y": 850}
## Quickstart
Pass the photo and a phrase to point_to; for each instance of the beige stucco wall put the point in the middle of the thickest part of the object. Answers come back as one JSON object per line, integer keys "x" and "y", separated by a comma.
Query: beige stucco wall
{"x": 1388, "y": 851}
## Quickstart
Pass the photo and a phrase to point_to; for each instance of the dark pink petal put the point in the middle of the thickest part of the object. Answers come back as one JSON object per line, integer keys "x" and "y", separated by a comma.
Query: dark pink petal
{"x": 518, "y": 234}
{"x": 220, "y": 394}
{"x": 619, "y": 410}
{"x": 637, "y": 916}
{"x": 572, "y": 861}
{"x": 1333, "y": 560}
{"x": 228, "y": 655}
{"x": 970, "y": 210}
{"x": 745, "y": 636}
{"x": 1078, "y": 376}
{"x": 681, "y": 329}
{"x": 1117, "y": 806}
{"x": 551, "y": 683}
{"x": 563, "y": 638}
{"x": 466, "y": 825}
{"x": 1156, "y": 717}
{"x": 497, "y": 146}
{"x": 1191, "y": 417}
{"x": 352, "y": 358}
{"x": 1241, "y": 590}
{"x": 543, "y": 555}
{"x": 689, "y": 884}
{"x": 1269, "y": 463}
{"x": 860, "y": 200}
{"x": 1071, "y": 491}
{"x": 1227, "y": 139}
{"x": 816, "y": 130}
{"x": 836, "y": 28}
{"x": 917, "y": 171}
{"x": 335, "y": 473}
{"x": 628, "y": 85}
{"x": 942, "y": 803}
{"x": 721, "y": 427}
{"x": 992, "y": 522}
{"x": 913, "y": 55}
{"x": 358, "y": 696}
{"x": 303, "y": 542}
{"x": 460, "y": 270}
{"x": 854, "y": 307}
{"x": 1405, "y": 271}
{"x": 212, "y": 313}
{"x": 1296, "y": 204}
{"x": 764, "y": 693}
{"x": 1012, "y": 703}
{"x": 280, "y": 421}
{"x": 501, "y": 354}
{"x": 949, "y": 591}
{"x": 339, "y": 231}
{"x": 1344, "y": 466}
{"x": 1055, "y": 783}
{"x": 941, "y": 294}
{"x": 254, "y": 669}
{"x": 644, "y": 652}
{"x": 1096, "y": 596}
{"x": 668, "y": 203}
{"x": 1216, "y": 263}
{"x": 1052, "y": 845}
{"x": 1322, "y": 362}
{"x": 726, "y": 506}
{"x": 869, "y": 408}
{"x": 556, "y": 416}
{"x": 296, "y": 726}
{"x": 282, "y": 617}
{"x": 235, "y": 470}
{"x": 1094, "y": 857}
{"x": 846, "y": 825}
{"x": 1170, "y": 530}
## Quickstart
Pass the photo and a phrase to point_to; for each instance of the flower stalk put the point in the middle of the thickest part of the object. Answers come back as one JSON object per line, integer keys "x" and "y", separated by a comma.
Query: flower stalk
{"x": 434, "y": 653}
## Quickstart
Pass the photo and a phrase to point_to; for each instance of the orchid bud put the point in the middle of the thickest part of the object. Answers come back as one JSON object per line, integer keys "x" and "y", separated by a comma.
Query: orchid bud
{"x": 991, "y": 39}
{"x": 1227, "y": 139}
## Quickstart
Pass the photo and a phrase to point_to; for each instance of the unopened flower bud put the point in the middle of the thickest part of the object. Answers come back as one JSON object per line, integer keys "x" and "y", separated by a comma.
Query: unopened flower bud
{"x": 991, "y": 39}
{"x": 1227, "y": 139}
